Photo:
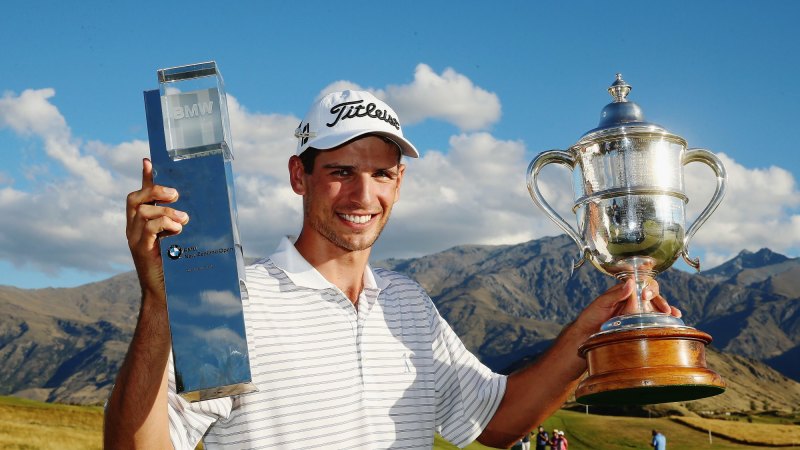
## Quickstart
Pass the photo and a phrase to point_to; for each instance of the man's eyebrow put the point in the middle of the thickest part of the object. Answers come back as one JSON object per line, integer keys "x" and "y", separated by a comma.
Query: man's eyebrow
{"x": 337, "y": 166}
{"x": 393, "y": 168}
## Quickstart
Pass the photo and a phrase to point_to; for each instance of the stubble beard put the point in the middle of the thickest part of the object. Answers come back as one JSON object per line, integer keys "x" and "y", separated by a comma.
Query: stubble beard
{"x": 362, "y": 241}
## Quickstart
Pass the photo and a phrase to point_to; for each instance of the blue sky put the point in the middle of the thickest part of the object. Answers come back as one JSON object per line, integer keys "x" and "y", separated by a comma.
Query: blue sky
{"x": 480, "y": 87}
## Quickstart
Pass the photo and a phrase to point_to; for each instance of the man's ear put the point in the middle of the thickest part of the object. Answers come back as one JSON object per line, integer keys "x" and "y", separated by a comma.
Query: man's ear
{"x": 401, "y": 170}
{"x": 297, "y": 175}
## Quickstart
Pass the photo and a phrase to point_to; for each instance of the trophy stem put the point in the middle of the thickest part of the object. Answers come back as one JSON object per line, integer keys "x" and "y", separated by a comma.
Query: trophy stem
{"x": 641, "y": 283}
{"x": 643, "y": 316}
{"x": 639, "y": 270}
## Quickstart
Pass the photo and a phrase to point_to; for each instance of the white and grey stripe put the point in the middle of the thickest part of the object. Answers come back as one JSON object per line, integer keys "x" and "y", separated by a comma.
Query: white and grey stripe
{"x": 386, "y": 375}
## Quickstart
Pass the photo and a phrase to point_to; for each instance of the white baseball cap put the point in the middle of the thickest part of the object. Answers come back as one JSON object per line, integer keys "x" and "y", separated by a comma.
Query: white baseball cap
{"x": 342, "y": 116}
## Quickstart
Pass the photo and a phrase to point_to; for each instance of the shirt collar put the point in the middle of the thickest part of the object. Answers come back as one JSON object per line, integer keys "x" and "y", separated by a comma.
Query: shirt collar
{"x": 304, "y": 274}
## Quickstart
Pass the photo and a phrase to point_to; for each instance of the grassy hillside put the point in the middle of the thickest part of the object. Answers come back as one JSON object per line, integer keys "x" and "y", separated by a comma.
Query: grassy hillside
{"x": 26, "y": 424}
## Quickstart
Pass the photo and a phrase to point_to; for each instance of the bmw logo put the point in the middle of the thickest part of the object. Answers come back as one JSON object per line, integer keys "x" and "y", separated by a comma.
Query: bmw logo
{"x": 174, "y": 251}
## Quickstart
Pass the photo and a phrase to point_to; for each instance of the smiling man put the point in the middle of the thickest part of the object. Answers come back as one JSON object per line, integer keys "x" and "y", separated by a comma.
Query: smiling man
{"x": 344, "y": 355}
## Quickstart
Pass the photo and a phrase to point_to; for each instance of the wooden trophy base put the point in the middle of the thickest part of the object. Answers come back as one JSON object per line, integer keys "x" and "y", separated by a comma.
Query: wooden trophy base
{"x": 647, "y": 365}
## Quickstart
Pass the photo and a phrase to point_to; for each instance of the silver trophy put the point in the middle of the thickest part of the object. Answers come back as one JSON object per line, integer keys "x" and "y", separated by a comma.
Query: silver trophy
{"x": 629, "y": 202}
{"x": 190, "y": 147}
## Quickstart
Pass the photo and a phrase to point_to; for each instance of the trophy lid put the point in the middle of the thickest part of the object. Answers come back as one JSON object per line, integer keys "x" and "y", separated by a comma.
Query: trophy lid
{"x": 621, "y": 114}
{"x": 188, "y": 71}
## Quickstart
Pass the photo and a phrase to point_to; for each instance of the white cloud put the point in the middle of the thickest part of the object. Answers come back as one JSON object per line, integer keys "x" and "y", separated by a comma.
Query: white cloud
{"x": 474, "y": 193}
{"x": 450, "y": 97}
{"x": 262, "y": 143}
{"x": 761, "y": 209}
{"x": 62, "y": 225}
{"x": 31, "y": 113}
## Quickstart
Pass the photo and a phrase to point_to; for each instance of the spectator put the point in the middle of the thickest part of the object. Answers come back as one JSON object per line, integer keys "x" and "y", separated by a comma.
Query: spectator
{"x": 659, "y": 441}
{"x": 542, "y": 439}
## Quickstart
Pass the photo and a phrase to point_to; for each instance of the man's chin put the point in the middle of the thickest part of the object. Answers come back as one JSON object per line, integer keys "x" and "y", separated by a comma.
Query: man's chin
{"x": 356, "y": 246}
{"x": 353, "y": 243}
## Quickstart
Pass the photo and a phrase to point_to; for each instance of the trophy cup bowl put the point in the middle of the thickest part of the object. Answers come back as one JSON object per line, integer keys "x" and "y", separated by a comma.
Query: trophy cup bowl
{"x": 630, "y": 210}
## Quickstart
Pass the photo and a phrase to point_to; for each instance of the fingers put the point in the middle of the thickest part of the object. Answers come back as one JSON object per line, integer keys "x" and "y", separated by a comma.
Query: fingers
{"x": 164, "y": 218}
{"x": 145, "y": 220}
{"x": 139, "y": 204}
{"x": 661, "y": 305}
{"x": 158, "y": 221}
{"x": 147, "y": 173}
{"x": 652, "y": 293}
{"x": 609, "y": 304}
{"x": 651, "y": 289}
{"x": 150, "y": 192}
{"x": 616, "y": 294}
{"x": 622, "y": 298}
{"x": 616, "y": 299}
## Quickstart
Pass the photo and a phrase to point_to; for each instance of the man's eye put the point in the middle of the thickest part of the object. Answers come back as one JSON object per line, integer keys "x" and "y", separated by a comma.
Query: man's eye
{"x": 341, "y": 173}
{"x": 384, "y": 174}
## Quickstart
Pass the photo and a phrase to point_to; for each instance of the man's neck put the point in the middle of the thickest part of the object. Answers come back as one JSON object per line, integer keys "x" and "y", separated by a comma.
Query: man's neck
{"x": 343, "y": 268}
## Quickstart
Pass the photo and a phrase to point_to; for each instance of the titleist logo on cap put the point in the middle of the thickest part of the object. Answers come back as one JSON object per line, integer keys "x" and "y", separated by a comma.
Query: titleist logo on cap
{"x": 350, "y": 110}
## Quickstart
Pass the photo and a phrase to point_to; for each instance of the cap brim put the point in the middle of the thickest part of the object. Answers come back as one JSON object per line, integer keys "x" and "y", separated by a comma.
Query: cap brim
{"x": 334, "y": 140}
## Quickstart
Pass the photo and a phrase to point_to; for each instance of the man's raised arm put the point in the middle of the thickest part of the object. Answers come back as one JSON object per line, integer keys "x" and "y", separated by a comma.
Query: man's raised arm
{"x": 136, "y": 414}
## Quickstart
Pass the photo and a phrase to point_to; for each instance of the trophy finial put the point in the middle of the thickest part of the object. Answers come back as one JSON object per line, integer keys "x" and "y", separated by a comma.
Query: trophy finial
{"x": 619, "y": 89}
{"x": 620, "y": 111}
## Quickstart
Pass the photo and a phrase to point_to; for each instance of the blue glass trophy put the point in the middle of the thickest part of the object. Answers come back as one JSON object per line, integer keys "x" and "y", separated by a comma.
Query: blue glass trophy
{"x": 190, "y": 147}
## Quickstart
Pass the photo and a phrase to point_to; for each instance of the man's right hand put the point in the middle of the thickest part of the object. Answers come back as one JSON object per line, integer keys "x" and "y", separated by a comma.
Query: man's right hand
{"x": 146, "y": 222}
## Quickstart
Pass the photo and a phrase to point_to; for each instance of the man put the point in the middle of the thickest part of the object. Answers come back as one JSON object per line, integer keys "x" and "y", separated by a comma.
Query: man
{"x": 542, "y": 439}
{"x": 344, "y": 356}
{"x": 659, "y": 441}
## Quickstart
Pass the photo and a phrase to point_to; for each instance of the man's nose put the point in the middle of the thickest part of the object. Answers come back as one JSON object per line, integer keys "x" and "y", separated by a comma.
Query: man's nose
{"x": 362, "y": 189}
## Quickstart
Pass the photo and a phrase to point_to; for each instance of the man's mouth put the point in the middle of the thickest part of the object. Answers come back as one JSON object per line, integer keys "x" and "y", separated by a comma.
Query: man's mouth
{"x": 356, "y": 218}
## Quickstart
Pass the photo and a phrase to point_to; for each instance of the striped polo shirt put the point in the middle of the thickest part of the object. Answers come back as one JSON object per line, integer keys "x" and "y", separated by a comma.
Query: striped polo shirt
{"x": 387, "y": 374}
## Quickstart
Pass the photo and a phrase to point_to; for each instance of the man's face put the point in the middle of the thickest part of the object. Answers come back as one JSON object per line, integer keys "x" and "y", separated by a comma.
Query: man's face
{"x": 349, "y": 195}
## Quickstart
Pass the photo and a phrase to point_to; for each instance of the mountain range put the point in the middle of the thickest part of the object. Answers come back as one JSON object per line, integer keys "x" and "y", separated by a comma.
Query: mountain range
{"x": 506, "y": 302}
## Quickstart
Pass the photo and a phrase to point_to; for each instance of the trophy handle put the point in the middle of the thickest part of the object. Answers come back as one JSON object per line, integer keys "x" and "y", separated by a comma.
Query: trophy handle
{"x": 565, "y": 159}
{"x": 711, "y": 160}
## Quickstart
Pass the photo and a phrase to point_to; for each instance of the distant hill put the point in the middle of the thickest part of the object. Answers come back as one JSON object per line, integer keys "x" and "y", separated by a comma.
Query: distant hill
{"x": 66, "y": 345}
{"x": 506, "y": 302}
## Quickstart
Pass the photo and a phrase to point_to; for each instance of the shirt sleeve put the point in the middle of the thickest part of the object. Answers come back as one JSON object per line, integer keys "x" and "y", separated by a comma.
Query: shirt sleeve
{"x": 467, "y": 392}
{"x": 188, "y": 421}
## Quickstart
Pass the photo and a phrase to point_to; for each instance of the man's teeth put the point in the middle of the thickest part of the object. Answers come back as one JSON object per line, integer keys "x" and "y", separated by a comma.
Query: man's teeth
{"x": 355, "y": 219}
